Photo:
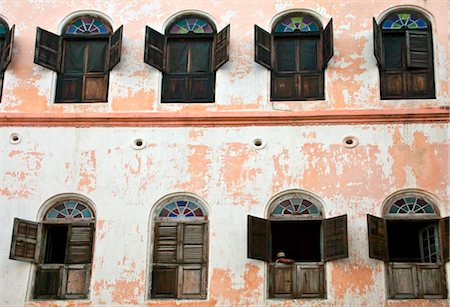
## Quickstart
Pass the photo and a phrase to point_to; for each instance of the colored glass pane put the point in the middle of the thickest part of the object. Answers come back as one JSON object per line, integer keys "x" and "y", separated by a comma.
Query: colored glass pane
{"x": 192, "y": 25}
{"x": 69, "y": 209}
{"x": 410, "y": 205}
{"x": 296, "y": 206}
{"x": 182, "y": 209}
{"x": 87, "y": 25}
{"x": 297, "y": 23}
{"x": 404, "y": 20}
{"x": 3, "y": 29}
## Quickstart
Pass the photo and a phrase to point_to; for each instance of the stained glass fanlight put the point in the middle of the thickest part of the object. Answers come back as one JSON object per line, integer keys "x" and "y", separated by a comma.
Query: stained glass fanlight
{"x": 191, "y": 25}
{"x": 87, "y": 25}
{"x": 3, "y": 27}
{"x": 411, "y": 205}
{"x": 73, "y": 209}
{"x": 297, "y": 23}
{"x": 404, "y": 20}
{"x": 182, "y": 209}
{"x": 296, "y": 206}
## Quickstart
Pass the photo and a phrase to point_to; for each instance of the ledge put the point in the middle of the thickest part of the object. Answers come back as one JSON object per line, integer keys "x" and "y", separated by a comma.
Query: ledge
{"x": 228, "y": 119}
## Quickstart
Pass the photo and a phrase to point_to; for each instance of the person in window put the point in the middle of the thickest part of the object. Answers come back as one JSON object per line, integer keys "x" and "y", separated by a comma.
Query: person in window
{"x": 281, "y": 258}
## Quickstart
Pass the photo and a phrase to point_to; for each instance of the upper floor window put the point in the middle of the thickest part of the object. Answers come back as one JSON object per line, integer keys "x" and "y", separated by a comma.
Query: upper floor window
{"x": 296, "y": 52}
{"x": 296, "y": 241}
{"x": 6, "y": 46}
{"x": 189, "y": 54}
{"x": 82, "y": 56}
{"x": 61, "y": 246}
{"x": 403, "y": 48}
{"x": 180, "y": 250}
{"x": 414, "y": 242}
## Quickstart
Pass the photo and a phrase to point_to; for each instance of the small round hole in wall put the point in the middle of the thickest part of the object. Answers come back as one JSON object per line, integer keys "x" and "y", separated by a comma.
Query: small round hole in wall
{"x": 258, "y": 143}
{"x": 14, "y": 138}
{"x": 350, "y": 141}
{"x": 138, "y": 144}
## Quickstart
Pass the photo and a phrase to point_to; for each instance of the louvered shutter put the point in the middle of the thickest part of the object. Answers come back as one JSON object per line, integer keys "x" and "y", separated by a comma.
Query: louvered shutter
{"x": 335, "y": 238}
{"x": 221, "y": 47}
{"x": 263, "y": 47}
{"x": 327, "y": 43}
{"x": 258, "y": 238}
{"x": 115, "y": 47}
{"x": 376, "y": 228}
{"x": 48, "y": 50}
{"x": 166, "y": 245}
{"x": 155, "y": 49}
{"x": 79, "y": 243}
{"x": 26, "y": 241}
{"x": 7, "y": 48}
{"x": 445, "y": 238}
{"x": 377, "y": 43}
{"x": 418, "y": 49}
{"x": 193, "y": 247}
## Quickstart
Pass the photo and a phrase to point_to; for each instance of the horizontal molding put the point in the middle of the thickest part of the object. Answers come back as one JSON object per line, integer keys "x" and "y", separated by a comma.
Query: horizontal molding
{"x": 227, "y": 119}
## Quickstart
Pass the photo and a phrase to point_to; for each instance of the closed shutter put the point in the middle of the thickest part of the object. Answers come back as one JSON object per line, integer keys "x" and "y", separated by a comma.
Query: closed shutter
{"x": 164, "y": 282}
{"x": 335, "y": 238}
{"x": 377, "y": 43}
{"x": 393, "y": 84}
{"x": 193, "y": 246}
{"x": 115, "y": 47}
{"x": 155, "y": 49}
{"x": 418, "y": 49}
{"x": 26, "y": 241}
{"x": 7, "y": 49}
{"x": 76, "y": 281}
{"x": 282, "y": 278}
{"x": 431, "y": 278}
{"x": 48, "y": 50}
{"x": 166, "y": 243}
{"x": 445, "y": 238}
{"x": 175, "y": 88}
{"x": 48, "y": 281}
{"x": 201, "y": 87}
{"x": 285, "y": 86}
{"x": 327, "y": 43}
{"x": 258, "y": 238}
{"x": 403, "y": 282}
{"x": 309, "y": 280}
{"x": 221, "y": 47}
{"x": 69, "y": 88}
{"x": 376, "y": 228}
{"x": 311, "y": 86}
{"x": 79, "y": 243}
{"x": 263, "y": 47}
{"x": 192, "y": 281}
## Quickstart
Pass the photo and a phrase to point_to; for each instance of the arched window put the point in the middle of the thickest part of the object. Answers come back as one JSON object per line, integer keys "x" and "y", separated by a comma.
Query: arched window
{"x": 6, "y": 46}
{"x": 180, "y": 250}
{"x": 189, "y": 54}
{"x": 414, "y": 241}
{"x": 403, "y": 48}
{"x": 296, "y": 52}
{"x": 82, "y": 56}
{"x": 296, "y": 241}
{"x": 61, "y": 246}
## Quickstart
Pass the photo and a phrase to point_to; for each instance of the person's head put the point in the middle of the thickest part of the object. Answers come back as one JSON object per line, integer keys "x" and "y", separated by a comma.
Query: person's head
{"x": 281, "y": 255}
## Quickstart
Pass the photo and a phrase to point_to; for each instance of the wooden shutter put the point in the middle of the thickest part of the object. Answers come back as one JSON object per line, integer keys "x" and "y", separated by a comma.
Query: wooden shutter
{"x": 48, "y": 50}
{"x": 48, "y": 281}
{"x": 282, "y": 278}
{"x": 402, "y": 279}
{"x": 263, "y": 47}
{"x": 327, "y": 43}
{"x": 445, "y": 238}
{"x": 193, "y": 246}
{"x": 115, "y": 47}
{"x": 418, "y": 49}
{"x": 311, "y": 86}
{"x": 26, "y": 241}
{"x": 164, "y": 282}
{"x": 309, "y": 280}
{"x": 377, "y": 43}
{"x": 79, "y": 243}
{"x": 431, "y": 279}
{"x": 376, "y": 228}
{"x": 155, "y": 49}
{"x": 192, "y": 281}
{"x": 335, "y": 238}
{"x": 76, "y": 281}
{"x": 166, "y": 243}
{"x": 221, "y": 47}
{"x": 7, "y": 49}
{"x": 258, "y": 238}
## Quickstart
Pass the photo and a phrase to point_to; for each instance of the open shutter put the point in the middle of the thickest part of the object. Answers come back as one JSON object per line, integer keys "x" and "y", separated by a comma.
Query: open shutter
{"x": 221, "y": 47}
{"x": 263, "y": 47}
{"x": 376, "y": 228}
{"x": 79, "y": 243}
{"x": 335, "y": 238}
{"x": 377, "y": 43}
{"x": 48, "y": 50}
{"x": 327, "y": 43}
{"x": 166, "y": 243}
{"x": 155, "y": 48}
{"x": 445, "y": 238}
{"x": 418, "y": 49}
{"x": 115, "y": 47}
{"x": 258, "y": 238}
{"x": 7, "y": 48}
{"x": 26, "y": 241}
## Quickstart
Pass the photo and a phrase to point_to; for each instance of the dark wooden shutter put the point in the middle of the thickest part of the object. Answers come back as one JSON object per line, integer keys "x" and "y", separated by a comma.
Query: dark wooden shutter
{"x": 418, "y": 49}
{"x": 327, "y": 43}
{"x": 258, "y": 238}
{"x": 48, "y": 281}
{"x": 7, "y": 48}
{"x": 164, "y": 282}
{"x": 377, "y": 43}
{"x": 155, "y": 49}
{"x": 166, "y": 243}
{"x": 193, "y": 247}
{"x": 335, "y": 238}
{"x": 26, "y": 241}
{"x": 221, "y": 47}
{"x": 376, "y": 228}
{"x": 445, "y": 238}
{"x": 79, "y": 243}
{"x": 48, "y": 50}
{"x": 115, "y": 47}
{"x": 263, "y": 47}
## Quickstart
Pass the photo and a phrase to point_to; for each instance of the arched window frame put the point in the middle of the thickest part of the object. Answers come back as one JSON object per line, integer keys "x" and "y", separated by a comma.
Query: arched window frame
{"x": 6, "y": 47}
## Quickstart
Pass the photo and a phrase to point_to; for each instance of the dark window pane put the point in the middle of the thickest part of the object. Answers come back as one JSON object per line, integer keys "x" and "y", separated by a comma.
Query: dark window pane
{"x": 74, "y": 56}
{"x": 393, "y": 51}
{"x": 178, "y": 55}
{"x": 96, "y": 56}
{"x": 286, "y": 53}
{"x": 55, "y": 249}
{"x": 200, "y": 53}
{"x": 308, "y": 54}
